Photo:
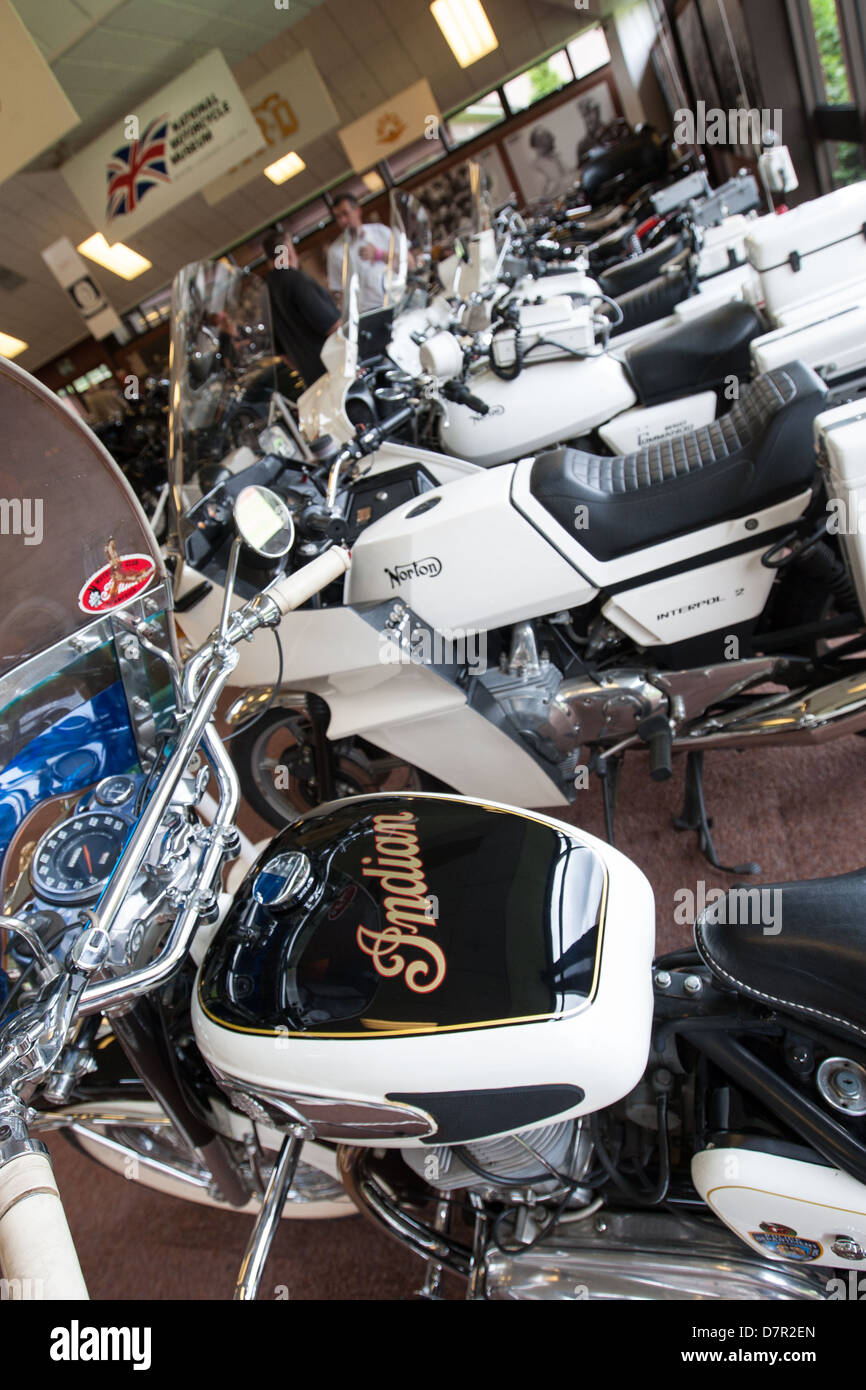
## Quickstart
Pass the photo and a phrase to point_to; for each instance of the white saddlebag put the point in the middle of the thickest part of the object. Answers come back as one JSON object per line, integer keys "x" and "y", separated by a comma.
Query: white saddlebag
{"x": 840, "y": 436}
{"x": 812, "y": 250}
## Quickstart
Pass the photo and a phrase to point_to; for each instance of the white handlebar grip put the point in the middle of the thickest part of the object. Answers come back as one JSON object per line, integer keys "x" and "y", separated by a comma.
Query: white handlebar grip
{"x": 37, "y": 1256}
{"x": 295, "y": 589}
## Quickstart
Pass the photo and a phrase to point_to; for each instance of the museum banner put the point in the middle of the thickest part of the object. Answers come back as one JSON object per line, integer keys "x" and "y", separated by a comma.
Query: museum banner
{"x": 73, "y": 276}
{"x": 292, "y": 107}
{"x": 34, "y": 110}
{"x": 164, "y": 149}
{"x": 398, "y": 122}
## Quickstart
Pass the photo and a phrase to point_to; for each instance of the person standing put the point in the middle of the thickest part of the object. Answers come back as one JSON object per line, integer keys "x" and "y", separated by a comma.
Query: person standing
{"x": 304, "y": 314}
{"x": 367, "y": 246}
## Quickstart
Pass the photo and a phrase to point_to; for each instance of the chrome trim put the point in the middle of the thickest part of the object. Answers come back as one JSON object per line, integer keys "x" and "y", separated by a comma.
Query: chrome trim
{"x": 800, "y": 716}
{"x": 696, "y": 1264}
{"x": 250, "y": 703}
{"x": 268, "y": 1220}
{"x": 26, "y": 676}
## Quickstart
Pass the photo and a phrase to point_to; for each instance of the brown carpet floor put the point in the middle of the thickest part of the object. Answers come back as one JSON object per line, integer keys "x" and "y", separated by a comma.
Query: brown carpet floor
{"x": 796, "y": 811}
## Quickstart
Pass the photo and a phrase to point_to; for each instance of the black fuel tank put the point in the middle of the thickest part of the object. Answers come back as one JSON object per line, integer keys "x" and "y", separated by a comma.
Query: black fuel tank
{"x": 408, "y": 912}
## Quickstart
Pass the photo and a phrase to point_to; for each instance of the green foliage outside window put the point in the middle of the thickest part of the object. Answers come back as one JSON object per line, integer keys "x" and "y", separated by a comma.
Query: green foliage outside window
{"x": 847, "y": 157}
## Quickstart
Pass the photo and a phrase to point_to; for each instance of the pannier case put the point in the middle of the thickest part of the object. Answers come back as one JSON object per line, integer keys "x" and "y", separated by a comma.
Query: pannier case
{"x": 812, "y": 250}
{"x": 840, "y": 436}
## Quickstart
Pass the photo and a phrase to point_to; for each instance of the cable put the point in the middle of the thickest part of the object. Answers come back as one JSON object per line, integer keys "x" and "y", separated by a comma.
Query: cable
{"x": 270, "y": 700}
{"x": 659, "y": 1193}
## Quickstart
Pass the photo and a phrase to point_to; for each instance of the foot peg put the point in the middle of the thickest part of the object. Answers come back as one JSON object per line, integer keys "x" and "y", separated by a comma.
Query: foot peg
{"x": 656, "y": 732}
{"x": 694, "y": 817}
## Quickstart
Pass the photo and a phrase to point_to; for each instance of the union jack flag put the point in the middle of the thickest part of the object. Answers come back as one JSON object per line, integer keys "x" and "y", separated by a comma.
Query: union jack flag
{"x": 135, "y": 168}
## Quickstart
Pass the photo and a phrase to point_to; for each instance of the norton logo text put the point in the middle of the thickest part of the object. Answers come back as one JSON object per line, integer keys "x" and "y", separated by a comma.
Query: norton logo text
{"x": 400, "y": 871}
{"x": 430, "y": 568}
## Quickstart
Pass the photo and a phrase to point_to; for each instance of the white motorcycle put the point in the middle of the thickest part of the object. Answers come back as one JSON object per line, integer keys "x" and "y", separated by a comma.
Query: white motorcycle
{"x": 520, "y": 629}
{"x": 441, "y": 1011}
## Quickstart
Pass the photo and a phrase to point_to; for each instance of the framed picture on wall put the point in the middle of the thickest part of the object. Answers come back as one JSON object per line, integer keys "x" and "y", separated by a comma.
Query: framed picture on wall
{"x": 448, "y": 197}
{"x": 546, "y": 153}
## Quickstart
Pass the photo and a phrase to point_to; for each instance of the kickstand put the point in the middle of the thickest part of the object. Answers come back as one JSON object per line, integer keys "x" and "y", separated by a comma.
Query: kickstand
{"x": 608, "y": 770}
{"x": 694, "y": 817}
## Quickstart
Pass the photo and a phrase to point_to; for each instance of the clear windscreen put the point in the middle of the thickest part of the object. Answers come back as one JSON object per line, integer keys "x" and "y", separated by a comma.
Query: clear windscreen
{"x": 223, "y": 366}
{"x": 75, "y": 540}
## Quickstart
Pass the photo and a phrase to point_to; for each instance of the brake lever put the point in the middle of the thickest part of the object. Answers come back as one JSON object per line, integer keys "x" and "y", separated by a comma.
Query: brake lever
{"x": 34, "y": 1038}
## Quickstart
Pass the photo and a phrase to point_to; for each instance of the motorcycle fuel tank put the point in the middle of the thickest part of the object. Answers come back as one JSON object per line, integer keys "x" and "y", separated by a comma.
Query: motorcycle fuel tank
{"x": 547, "y": 402}
{"x": 420, "y": 968}
{"x": 465, "y": 559}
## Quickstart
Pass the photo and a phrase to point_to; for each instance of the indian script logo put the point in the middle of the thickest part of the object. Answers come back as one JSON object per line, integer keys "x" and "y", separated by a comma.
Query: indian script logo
{"x": 408, "y": 908}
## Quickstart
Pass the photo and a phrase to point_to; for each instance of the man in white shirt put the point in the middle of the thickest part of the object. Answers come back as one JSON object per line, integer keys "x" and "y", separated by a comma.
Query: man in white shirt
{"x": 368, "y": 248}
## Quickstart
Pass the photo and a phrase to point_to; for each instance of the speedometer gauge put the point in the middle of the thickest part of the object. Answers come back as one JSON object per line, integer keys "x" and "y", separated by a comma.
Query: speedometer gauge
{"x": 74, "y": 860}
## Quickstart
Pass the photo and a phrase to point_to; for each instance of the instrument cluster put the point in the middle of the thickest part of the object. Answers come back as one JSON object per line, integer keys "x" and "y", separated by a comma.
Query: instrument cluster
{"x": 75, "y": 858}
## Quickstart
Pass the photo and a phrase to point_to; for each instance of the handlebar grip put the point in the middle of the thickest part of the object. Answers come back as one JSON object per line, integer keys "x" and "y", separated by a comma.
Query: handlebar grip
{"x": 325, "y": 524}
{"x": 475, "y": 403}
{"x": 36, "y": 1248}
{"x": 372, "y": 438}
{"x": 292, "y": 590}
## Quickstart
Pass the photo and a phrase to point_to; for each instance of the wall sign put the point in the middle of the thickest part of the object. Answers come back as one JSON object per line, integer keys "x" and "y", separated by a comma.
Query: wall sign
{"x": 71, "y": 273}
{"x": 292, "y": 107}
{"x": 398, "y": 122}
{"x": 164, "y": 150}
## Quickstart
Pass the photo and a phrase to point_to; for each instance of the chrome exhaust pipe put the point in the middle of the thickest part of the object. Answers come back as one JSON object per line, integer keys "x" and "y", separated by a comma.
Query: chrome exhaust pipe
{"x": 794, "y": 717}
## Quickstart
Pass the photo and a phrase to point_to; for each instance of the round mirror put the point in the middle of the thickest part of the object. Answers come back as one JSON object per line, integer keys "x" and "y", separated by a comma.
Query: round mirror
{"x": 264, "y": 522}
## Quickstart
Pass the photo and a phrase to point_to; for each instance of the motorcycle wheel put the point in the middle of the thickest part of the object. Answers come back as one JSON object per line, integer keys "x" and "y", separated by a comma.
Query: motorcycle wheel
{"x": 276, "y": 765}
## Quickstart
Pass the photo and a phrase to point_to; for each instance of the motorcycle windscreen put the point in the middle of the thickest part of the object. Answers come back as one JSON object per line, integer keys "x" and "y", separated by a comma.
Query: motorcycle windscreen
{"x": 368, "y": 333}
{"x": 75, "y": 542}
{"x": 222, "y": 367}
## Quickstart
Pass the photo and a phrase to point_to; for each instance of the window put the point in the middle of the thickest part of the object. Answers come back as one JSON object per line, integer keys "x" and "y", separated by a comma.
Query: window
{"x": 588, "y": 52}
{"x": 415, "y": 156}
{"x": 829, "y": 52}
{"x": 475, "y": 118}
{"x": 92, "y": 378}
{"x": 308, "y": 219}
{"x": 539, "y": 81}
{"x": 846, "y": 157}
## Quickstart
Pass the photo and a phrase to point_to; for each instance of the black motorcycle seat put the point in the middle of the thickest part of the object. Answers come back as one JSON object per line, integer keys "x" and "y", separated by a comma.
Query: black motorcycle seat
{"x": 757, "y": 454}
{"x": 655, "y": 300}
{"x": 814, "y": 966}
{"x": 631, "y": 274}
{"x": 696, "y": 355}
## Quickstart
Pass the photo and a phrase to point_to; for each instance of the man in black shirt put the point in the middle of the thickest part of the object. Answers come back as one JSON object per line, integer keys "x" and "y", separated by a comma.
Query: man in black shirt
{"x": 304, "y": 314}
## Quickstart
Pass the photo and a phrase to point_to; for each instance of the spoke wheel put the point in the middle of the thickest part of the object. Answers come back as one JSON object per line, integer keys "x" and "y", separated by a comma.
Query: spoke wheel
{"x": 276, "y": 763}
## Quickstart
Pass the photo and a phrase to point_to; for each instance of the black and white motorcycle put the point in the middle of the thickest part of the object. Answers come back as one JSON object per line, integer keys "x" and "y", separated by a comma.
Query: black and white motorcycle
{"x": 441, "y": 1011}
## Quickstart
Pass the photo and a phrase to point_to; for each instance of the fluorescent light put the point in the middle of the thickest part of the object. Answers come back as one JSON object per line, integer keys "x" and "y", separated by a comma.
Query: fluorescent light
{"x": 10, "y": 347}
{"x": 466, "y": 28}
{"x": 119, "y": 259}
{"x": 285, "y": 168}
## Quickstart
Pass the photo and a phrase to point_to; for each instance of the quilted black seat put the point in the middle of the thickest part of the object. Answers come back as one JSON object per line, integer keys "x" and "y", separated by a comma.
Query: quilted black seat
{"x": 631, "y": 274}
{"x": 695, "y": 356}
{"x": 757, "y": 454}
{"x": 655, "y": 300}
{"x": 799, "y": 947}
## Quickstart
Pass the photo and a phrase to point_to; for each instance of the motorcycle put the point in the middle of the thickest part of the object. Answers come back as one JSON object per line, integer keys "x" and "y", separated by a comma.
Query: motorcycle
{"x": 528, "y": 363}
{"x": 441, "y": 1011}
{"x": 531, "y": 624}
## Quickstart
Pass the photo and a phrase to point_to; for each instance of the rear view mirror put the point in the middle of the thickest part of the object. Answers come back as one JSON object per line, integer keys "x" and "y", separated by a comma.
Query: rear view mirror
{"x": 264, "y": 522}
